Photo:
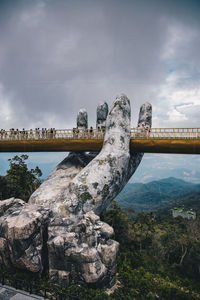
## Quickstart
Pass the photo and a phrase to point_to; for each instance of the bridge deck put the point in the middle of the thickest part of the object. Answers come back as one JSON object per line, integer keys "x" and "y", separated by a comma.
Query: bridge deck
{"x": 189, "y": 146}
{"x": 159, "y": 140}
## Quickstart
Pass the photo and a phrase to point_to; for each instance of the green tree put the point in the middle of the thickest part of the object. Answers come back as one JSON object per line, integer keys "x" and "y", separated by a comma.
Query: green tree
{"x": 20, "y": 181}
{"x": 3, "y": 188}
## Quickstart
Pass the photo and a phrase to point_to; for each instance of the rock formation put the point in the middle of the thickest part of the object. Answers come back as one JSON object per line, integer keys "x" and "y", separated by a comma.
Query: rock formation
{"x": 59, "y": 230}
{"x": 22, "y": 235}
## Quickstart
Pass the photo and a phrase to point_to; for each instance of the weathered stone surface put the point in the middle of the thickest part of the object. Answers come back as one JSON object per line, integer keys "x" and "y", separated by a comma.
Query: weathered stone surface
{"x": 70, "y": 190}
{"x": 102, "y": 112}
{"x": 94, "y": 187}
{"x": 51, "y": 192}
{"x": 82, "y": 119}
{"x": 60, "y": 227}
{"x": 10, "y": 205}
{"x": 108, "y": 252}
{"x": 144, "y": 121}
{"x": 145, "y": 115}
{"x": 79, "y": 249}
{"x": 63, "y": 277}
{"x": 22, "y": 229}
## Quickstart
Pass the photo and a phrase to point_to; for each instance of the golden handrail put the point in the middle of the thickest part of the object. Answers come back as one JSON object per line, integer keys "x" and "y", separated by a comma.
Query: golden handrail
{"x": 136, "y": 133}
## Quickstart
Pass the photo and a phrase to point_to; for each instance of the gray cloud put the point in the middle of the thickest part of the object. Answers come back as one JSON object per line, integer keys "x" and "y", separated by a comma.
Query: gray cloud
{"x": 59, "y": 56}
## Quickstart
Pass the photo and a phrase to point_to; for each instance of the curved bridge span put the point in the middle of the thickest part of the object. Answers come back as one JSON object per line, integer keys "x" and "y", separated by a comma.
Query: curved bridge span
{"x": 158, "y": 140}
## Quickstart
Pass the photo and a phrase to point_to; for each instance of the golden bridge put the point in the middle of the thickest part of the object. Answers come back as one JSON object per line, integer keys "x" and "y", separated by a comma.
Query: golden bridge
{"x": 158, "y": 140}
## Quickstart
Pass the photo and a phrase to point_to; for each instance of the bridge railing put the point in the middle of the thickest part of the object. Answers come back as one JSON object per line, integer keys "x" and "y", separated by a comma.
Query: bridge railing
{"x": 136, "y": 133}
{"x": 51, "y": 134}
{"x": 165, "y": 133}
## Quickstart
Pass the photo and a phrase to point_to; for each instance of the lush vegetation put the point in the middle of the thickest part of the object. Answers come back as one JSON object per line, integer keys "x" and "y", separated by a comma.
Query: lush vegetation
{"x": 19, "y": 181}
{"x": 159, "y": 258}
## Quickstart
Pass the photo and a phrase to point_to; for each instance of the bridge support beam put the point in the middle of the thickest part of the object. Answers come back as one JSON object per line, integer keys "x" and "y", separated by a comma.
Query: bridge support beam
{"x": 179, "y": 146}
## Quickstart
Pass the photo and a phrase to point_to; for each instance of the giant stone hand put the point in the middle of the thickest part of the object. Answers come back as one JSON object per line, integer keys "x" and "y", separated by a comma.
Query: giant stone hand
{"x": 79, "y": 184}
{"x": 62, "y": 231}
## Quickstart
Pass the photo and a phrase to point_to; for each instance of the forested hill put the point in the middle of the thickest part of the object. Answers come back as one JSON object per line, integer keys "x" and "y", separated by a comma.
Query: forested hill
{"x": 156, "y": 194}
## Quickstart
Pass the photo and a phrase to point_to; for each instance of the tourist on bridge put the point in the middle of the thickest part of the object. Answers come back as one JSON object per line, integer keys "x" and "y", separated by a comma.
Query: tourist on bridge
{"x": 91, "y": 132}
{"x": 2, "y": 133}
{"x": 147, "y": 131}
{"x": 38, "y": 132}
{"x": 43, "y": 133}
{"x": 31, "y": 133}
{"x": 54, "y": 133}
{"x": 77, "y": 132}
{"x": 99, "y": 132}
{"x": 74, "y": 130}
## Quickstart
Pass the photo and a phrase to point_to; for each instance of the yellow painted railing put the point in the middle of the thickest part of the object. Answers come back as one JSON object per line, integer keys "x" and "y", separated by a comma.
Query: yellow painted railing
{"x": 166, "y": 133}
{"x": 136, "y": 133}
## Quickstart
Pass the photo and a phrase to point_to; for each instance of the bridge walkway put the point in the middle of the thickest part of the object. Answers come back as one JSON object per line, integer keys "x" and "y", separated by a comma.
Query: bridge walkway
{"x": 158, "y": 140}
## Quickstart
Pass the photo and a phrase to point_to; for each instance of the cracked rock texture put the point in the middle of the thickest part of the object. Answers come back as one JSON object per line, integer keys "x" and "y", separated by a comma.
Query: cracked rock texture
{"x": 82, "y": 251}
{"x": 59, "y": 230}
{"x": 22, "y": 230}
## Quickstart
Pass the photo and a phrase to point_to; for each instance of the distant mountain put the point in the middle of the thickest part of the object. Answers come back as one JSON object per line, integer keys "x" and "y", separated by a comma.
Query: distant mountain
{"x": 156, "y": 194}
{"x": 147, "y": 173}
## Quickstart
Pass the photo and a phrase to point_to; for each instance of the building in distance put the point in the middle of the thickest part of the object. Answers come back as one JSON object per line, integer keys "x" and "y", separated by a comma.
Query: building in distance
{"x": 180, "y": 212}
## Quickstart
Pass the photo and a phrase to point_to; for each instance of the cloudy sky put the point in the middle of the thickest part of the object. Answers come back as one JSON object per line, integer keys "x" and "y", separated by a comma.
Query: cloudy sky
{"x": 57, "y": 56}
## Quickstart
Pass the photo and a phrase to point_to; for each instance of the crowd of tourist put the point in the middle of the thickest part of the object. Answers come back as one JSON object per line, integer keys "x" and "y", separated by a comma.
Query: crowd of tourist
{"x": 88, "y": 132}
{"x": 37, "y": 133}
{"x": 141, "y": 131}
{"x": 51, "y": 133}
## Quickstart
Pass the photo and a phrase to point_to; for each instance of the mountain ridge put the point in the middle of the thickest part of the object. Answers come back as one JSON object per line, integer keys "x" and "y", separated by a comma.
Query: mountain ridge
{"x": 155, "y": 194}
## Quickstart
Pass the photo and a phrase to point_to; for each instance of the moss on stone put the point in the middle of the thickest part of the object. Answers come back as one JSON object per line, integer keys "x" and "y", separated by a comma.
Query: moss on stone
{"x": 118, "y": 103}
{"x": 122, "y": 139}
{"x": 63, "y": 211}
{"x": 111, "y": 161}
{"x": 1, "y": 212}
{"x": 111, "y": 125}
{"x": 105, "y": 190}
{"x": 85, "y": 187}
{"x": 85, "y": 196}
{"x": 95, "y": 185}
{"x": 108, "y": 159}
{"x": 111, "y": 141}
{"x": 105, "y": 142}
{"x": 122, "y": 125}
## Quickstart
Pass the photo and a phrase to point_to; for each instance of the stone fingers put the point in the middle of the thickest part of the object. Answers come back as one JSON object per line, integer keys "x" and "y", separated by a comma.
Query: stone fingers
{"x": 144, "y": 125}
{"x": 82, "y": 119}
{"x": 145, "y": 116}
{"x": 101, "y": 180}
{"x": 102, "y": 112}
{"x": 50, "y": 192}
